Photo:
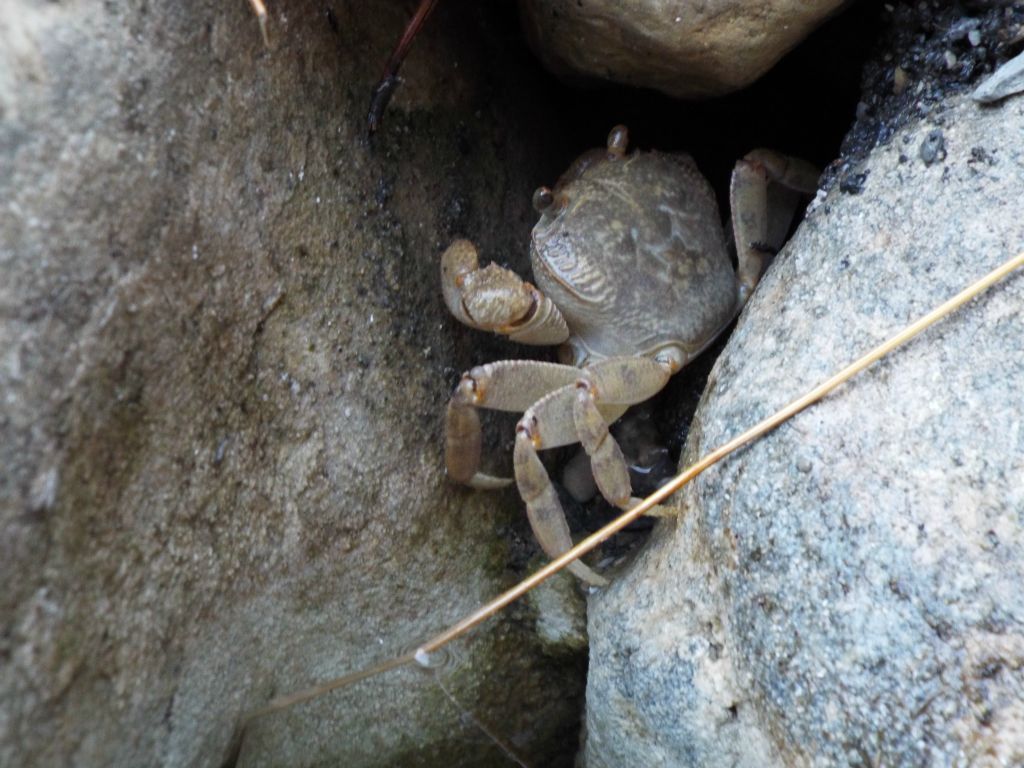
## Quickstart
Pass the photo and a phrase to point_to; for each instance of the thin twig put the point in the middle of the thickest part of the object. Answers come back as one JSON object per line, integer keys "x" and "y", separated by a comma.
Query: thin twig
{"x": 290, "y": 700}
{"x": 389, "y": 80}
{"x": 261, "y": 17}
{"x": 500, "y": 743}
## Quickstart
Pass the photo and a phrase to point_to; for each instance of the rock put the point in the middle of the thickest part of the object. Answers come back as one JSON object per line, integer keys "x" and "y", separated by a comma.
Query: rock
{"x": 1004, "y": 82}
{"x": 846, "y": 591}
{"x": 916, "y": 37}
{"x": 224, "y": 359}
{"x": 687, "y": 50}
{"x": 933, "y": 147}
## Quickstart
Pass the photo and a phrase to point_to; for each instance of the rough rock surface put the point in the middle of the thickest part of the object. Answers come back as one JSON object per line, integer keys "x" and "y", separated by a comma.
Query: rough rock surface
{"x": 847, "y": 591}
{"x": 223, "y": 360}
{"x": 688, "y": 50}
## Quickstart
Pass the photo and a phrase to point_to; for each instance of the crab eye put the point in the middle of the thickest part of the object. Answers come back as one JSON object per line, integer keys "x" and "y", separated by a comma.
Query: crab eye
{"x": 618, "y": 141}
{"x": 543, "y": 197}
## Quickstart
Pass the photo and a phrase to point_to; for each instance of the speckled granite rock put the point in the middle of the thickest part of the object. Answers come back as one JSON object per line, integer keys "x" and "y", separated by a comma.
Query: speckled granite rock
{"x": 223, "y": 360}
{"x": 688, "y": 50}
{"x": 847, "y": 591}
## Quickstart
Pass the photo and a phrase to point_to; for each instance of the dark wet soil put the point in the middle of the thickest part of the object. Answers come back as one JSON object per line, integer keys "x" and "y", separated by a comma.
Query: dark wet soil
{"x": 923, "y": 54}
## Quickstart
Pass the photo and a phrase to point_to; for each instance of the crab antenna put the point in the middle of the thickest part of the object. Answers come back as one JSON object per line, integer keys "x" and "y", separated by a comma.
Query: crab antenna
{"x": 389, "y": 81}
{"x": 421, "y": 655}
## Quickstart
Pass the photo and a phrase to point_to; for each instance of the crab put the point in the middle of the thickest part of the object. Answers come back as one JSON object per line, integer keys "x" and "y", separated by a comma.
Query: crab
{"x": 633, "y": 279}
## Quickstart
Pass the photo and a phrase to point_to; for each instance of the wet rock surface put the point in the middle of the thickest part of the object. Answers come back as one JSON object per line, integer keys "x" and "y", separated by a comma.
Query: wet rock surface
{"x": 223, "y": 358}
{"x": 846, "y": 591}
{"x": 686, "y": 50}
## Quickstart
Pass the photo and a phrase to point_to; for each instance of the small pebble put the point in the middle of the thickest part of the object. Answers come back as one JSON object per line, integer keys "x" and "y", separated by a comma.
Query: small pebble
{"x": 853, "y": 183}
{"x": 1005, "y": 81}
{"x": 933, "y": 147}
{"x": 950, "y": 59}
{"x": 974, "y": 38}
{"x": 962, "y": 28}
{"x": 899, "y": 80}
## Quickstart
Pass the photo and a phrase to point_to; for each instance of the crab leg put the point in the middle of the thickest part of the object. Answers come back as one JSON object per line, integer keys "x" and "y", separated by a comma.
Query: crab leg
{"x": 510, "y": 385}
{"x": 606, "y": 460}
{"x": 760, "y": 223}
{"x": 547, "y": 424}
{"x": 497, "y": 299}
{"x": 626, "y": 381}
{"x": 570, "y": 414}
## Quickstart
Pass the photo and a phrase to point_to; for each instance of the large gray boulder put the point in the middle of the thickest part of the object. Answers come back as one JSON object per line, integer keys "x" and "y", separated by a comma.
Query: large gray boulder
{"x": 847, "y": 591}
{"x": 223, "y": 360}
{"x": 687, "y": 50}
